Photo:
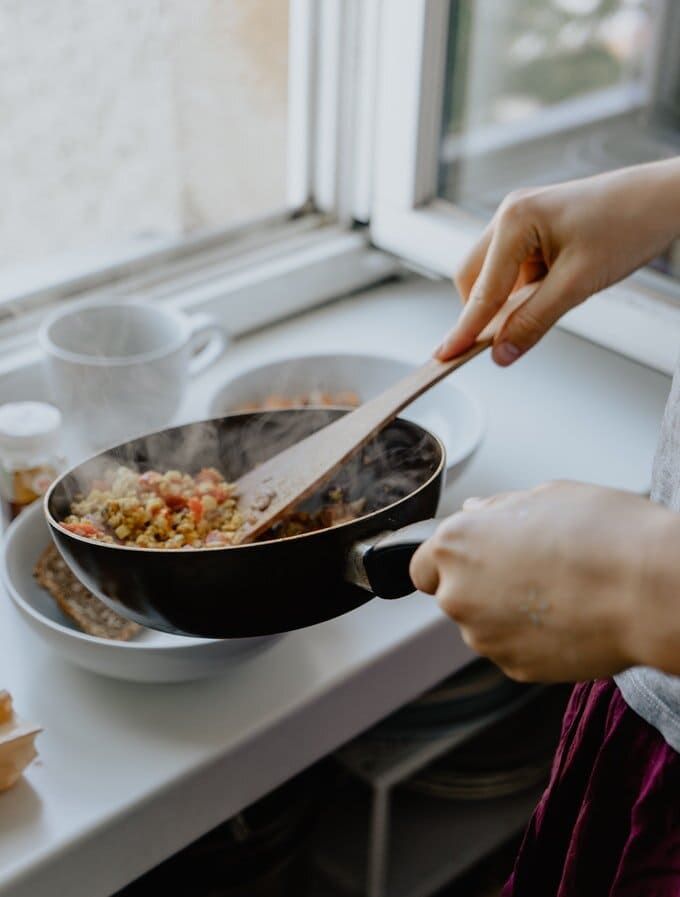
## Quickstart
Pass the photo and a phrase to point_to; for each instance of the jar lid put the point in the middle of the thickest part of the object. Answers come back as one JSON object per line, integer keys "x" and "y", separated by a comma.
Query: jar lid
{"x": 28, "y": 425}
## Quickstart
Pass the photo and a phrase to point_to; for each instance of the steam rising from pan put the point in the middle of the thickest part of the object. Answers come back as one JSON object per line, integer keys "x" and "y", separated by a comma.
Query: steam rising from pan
{"x": 388, "y": 469}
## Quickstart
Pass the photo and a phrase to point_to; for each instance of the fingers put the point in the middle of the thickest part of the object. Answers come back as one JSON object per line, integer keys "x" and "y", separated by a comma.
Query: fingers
{"x": 467, "y": 274}
{"x": 532, "y": 269}
{"x": 559, "y": 291}
{"x": 511, "y": 243}
{"x": 464, "y": 279}
{"x": 424, "y": 570}
{"x": 432, "y": 562}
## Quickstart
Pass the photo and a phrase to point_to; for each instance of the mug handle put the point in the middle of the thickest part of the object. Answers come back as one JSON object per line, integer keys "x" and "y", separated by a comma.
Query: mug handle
{"x": 203, "y": 326}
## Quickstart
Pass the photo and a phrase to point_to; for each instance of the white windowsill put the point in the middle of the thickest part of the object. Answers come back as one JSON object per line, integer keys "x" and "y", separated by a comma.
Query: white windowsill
{"x": 631, "y": 318}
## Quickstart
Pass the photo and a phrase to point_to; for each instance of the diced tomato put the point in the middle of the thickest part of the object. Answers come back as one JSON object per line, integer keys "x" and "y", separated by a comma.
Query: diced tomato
{"x": 82, "y": 529}
{"x": 196, "y": 508}
{"x": 220, "y": 494}
{"x": 175, "y": 502}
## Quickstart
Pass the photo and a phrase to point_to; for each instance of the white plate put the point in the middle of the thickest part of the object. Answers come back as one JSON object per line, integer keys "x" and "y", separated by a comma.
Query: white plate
{"x": 149, "y": 657}
{"x": 445, "y": 410}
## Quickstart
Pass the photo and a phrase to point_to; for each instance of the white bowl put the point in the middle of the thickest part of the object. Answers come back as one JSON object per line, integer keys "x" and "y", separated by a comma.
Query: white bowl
{"x": 445, "y": 410}
{"x": 148, "y": 657}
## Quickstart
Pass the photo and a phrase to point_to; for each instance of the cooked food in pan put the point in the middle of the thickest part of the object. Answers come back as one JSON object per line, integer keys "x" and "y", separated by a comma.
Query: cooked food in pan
{"x": 334, "y": 512}
{"x": 283, "y": 583}
{"x": 344, "y": 399}
{"x": 157, "y": 510}
{"x": 175, "y": 510}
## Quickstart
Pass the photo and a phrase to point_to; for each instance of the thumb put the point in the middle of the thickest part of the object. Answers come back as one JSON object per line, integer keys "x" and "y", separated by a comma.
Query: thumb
{"x": 559, "y": 291}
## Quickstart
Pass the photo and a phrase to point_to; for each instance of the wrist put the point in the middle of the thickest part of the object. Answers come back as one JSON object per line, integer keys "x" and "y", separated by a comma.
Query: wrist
{"x": 651, "y": 620}
{"x": 660, "y": 198}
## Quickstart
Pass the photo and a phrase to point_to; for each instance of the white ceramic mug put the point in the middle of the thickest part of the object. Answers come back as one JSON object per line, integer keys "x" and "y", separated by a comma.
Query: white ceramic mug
{"x": 120, "y": 369}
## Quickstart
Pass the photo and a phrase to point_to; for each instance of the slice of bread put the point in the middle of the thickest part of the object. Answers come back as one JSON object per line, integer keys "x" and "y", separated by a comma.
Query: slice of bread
{"x": 85, "y": 609}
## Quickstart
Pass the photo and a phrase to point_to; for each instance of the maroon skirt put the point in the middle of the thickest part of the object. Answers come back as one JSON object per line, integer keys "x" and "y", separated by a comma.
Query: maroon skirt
{"x": 608, "y": 824}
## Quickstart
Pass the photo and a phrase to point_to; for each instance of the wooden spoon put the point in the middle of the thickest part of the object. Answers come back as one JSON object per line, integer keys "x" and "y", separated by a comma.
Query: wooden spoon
{"x": 280, "y": 484}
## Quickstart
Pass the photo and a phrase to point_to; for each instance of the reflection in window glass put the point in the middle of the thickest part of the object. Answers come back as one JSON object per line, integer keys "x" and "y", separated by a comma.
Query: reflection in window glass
{"x": 518, "y": 57}
{"x": 132, "y": 121}
{"x": 538, "y": 91}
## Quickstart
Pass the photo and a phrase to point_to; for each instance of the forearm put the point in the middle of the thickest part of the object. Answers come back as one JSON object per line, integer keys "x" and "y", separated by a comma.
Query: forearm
{"x": 653, "y": 615}
{"x": 647, "y": 205}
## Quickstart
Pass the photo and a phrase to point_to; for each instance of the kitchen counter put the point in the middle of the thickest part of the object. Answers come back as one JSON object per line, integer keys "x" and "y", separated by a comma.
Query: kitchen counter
{"x": 128, "y": 774}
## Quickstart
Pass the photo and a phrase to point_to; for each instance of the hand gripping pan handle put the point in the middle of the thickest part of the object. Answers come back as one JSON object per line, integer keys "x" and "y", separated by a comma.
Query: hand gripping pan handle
{"x": 381, "y": 565}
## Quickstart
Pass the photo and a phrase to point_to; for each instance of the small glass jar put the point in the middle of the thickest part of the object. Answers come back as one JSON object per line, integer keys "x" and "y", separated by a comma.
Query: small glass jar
{"x": 30, "y": 460}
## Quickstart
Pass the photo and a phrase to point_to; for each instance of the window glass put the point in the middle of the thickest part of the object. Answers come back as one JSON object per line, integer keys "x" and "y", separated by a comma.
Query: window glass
{"x": 510, "y": 61}
{"x": 128, "y": 121}
{"x": 538, "y": 91}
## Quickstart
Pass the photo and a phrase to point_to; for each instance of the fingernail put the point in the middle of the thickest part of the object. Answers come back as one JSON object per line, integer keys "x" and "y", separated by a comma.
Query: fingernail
{"x": 506, "y": 353}
{"x": 438, "y": 351}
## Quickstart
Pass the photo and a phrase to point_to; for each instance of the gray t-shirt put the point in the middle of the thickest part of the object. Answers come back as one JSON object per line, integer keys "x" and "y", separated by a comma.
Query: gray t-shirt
{"x": 653, "y": 695}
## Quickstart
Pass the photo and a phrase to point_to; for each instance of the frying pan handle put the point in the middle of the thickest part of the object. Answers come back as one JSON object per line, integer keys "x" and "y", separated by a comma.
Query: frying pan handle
{"x": 381, "y": 566}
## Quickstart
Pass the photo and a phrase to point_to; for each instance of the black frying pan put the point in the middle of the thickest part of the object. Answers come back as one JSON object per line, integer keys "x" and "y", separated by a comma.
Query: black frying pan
{"x": 268, "y": 586}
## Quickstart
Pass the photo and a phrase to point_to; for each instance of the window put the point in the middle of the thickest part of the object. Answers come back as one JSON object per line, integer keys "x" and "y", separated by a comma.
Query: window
{"x": 130, "y": 124}
{"x": 521, "y": 93}
{"x": 144, "y": 143}
{"x": 568, "y": 95}
{"x": 555, "y": 67}
{"x": 176, "y": 151}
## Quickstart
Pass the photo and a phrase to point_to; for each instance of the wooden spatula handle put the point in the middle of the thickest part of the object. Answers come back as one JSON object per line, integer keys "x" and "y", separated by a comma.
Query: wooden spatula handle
{"x": 389, "y": 403}
{"x": 280, "y": 484}
{"x": 276, "y": 486}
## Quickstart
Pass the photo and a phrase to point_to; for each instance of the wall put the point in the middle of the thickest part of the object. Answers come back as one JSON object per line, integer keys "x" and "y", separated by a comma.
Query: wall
{"x": 120, "y": 120}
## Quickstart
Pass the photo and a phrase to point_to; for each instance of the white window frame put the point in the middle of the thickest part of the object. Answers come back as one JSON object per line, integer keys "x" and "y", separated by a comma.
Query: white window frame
{"x": 639, "y": 318}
